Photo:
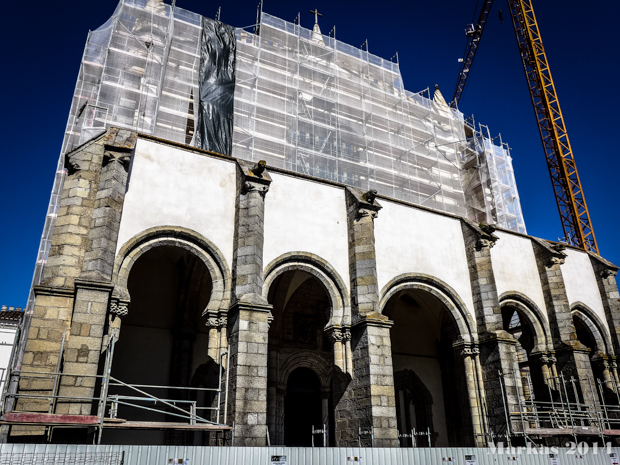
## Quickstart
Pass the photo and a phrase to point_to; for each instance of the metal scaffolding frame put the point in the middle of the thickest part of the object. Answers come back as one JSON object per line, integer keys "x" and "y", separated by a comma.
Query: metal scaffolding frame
{"x": 563, "y": 412}
{"x": 184, "y": 409}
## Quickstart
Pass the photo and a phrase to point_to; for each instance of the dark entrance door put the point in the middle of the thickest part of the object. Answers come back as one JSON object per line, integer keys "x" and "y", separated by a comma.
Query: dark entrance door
{"x": 302, "y": 408}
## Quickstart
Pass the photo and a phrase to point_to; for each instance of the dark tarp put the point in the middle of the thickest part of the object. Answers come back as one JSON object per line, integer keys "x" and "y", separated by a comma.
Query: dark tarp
{"x": 214, "y": 125}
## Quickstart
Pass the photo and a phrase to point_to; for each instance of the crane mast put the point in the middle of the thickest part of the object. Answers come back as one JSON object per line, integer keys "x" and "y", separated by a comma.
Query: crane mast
{"x": 569, "y": 195}
{"x": 560, "y": 160}
{"x": 473, "y": 40}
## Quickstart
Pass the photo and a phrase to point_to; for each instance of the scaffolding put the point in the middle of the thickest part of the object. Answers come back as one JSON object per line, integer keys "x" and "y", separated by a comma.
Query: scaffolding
{"x": 304, "y": 101}
{"x": 40, "y": 391}
{"x": 561, "y": 409}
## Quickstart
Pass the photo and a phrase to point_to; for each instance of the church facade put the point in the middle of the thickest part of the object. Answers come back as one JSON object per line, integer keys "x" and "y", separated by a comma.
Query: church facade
{"x": 325, "y": 305}
{"x": 262, "y": 237}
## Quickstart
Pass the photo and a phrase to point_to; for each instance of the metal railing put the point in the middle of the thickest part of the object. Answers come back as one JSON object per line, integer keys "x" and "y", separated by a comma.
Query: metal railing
{"x": 567, "y": 406}
{"x": 180, "y": 408}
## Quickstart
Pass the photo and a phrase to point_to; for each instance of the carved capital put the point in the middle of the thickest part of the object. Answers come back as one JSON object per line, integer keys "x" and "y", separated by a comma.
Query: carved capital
{"x": 364, "y": 212}
{"x": 119, "y": 308}
{"x": 255, "y": 177}
{"x": 122, "y": 157}
{"x": 215, "y": 320}
{"x": 555, "y": 261}
{"x": 248, "y": 187}
{"x": 467, "y": 349}
{"x": 607, "y": 272}
{"x": 363, "y": 204}
{"x": 339, "y": 334}
{"x": 486, "y": 239}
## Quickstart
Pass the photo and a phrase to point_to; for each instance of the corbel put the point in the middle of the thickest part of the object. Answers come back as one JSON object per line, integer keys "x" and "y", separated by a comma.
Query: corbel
{"x": 365, "y": 202}
{"x": 254, "y": 177}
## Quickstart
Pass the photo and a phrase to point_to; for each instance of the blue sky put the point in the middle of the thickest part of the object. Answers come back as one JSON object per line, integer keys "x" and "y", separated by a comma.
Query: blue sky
{"x": 43, "y": 43}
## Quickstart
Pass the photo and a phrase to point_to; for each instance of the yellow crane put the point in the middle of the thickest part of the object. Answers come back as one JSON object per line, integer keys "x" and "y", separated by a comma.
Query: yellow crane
{"x": 558, "y": 152}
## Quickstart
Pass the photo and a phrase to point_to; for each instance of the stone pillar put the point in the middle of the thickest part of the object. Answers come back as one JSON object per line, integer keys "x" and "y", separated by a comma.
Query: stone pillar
{"x": 250, "y": 314}
{"x": 572, "y": 357}
{"x": 606, "y": 273}
{"x": 75, "y": 287}
{"x": 369, "y": 398}
{"x": 470, "y": 353}
{"x": 94, "y": 288}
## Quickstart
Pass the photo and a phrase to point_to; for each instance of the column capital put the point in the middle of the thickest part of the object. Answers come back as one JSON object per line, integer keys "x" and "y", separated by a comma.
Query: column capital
{"x": 364, "y": 203}
{"x": 255, "y": 177}
{"x": 215, "y": 319}
{"x": 551, "y": 253}
{"x": 467, "y": 349}
{"x": 339, "y": 333}
{"x": 485, "y": 239}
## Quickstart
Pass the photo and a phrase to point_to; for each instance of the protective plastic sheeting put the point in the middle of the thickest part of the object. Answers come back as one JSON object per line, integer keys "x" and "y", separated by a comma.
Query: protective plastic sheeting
{"x": 217, "y": 87}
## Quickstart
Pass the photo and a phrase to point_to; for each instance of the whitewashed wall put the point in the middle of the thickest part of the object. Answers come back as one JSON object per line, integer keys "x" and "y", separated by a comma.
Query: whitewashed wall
{"x": 514, "y": 267}
{"x": 171, "y": 186}
{"x": 409, "y": 240}
{"x": 580, "y": 282}
{"x": 306, "y": 216}
{"x": 7, "y": 339}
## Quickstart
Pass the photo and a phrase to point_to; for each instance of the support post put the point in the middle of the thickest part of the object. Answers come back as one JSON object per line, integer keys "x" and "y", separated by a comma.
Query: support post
{"x": 368, "y": 401}
{"x": 250, "y": 314}
{"x": 572, "y": 356}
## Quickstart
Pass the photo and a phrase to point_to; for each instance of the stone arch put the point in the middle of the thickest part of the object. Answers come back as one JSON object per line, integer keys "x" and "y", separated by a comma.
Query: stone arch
{"x": 305, "y": 359}
{"x": 440, "y": 290}
{"x": 595, "y": 325}
{"x": 184, "y": 238}
{"x": 535, "y": 317}
{"x": 320, "y": 269}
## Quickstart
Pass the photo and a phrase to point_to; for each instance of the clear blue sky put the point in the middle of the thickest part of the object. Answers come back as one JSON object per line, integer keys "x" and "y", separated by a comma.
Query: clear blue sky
{"x": 43, "y": 43}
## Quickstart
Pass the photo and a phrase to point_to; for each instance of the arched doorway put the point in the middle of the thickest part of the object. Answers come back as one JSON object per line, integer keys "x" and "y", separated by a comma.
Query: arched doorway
{"x": 430, "y": 384}
{"x": 302, "y": 407}
{"x": 297, "y": 339}
{"x": 590, "y": 336}
{"x": 533, "y": 381}
{"x": 164, "y": 341}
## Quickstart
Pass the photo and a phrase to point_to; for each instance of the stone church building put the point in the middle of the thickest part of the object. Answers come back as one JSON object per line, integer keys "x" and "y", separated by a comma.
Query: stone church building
{"x": 301, "y": 299}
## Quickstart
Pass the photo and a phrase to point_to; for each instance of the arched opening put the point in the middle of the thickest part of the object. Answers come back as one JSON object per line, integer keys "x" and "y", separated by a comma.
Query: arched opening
{"x": 429, "y": 375}
{"x": 164, "y": 342}
{"x": 302, "y": 407}
{"x": 533, "y": 382}
{"x": 589, "y": 335}
{"x": 301, "y": 310}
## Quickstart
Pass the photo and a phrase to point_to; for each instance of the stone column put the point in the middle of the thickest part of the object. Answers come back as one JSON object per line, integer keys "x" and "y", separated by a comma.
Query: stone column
{"x": 606, "y": 273}
{"x": 94, "y": 288}
{"x": 75, "y": 287}
{"x": 497, "y": 348}
{"x": 572, "y": 356}
{"x": 250, "y": 314}
{"x": 369, "y": 398}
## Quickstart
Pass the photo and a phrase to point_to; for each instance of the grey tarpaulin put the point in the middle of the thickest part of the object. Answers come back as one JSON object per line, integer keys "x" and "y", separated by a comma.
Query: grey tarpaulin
{"x": 214, "y": 125}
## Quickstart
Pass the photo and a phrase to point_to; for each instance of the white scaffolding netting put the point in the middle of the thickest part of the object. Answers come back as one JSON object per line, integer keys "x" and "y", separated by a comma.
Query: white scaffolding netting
{"x": 303, "y": 102}
{"x": 311, "y": 104}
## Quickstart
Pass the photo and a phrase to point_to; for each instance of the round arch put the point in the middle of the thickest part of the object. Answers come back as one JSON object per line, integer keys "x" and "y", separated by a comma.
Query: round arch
{"x": 598, "y": 330}
{"x": 174, "y": 236}
{"x": 305, "y": 359}
{"x": 535, "y": 317}
{"x": 441, "y": 291}
{"x": 321, "y": 270}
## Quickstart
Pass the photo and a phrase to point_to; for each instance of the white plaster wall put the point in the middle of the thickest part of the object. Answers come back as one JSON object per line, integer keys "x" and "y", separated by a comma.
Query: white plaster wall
{"x": 305, "y": 216}
{"x": 514, "y": 267}
{"x": 170, "y": 186}
{"x": 409, "y": 240}
{"x": 580, "y": 282}
{"x": 7, "y": 339}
